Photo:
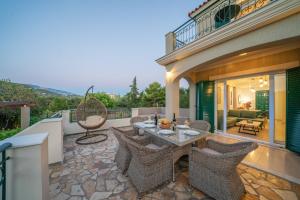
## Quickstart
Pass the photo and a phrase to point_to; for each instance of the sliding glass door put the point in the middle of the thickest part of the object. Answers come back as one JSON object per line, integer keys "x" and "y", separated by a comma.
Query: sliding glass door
{"x": 252, "y": 107}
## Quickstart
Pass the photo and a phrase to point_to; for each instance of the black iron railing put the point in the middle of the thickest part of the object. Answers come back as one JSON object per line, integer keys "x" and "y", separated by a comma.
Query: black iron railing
{"x": 112, "y": 113}
{"x": 214, "y": 17}
{"x": 3, "y": 148}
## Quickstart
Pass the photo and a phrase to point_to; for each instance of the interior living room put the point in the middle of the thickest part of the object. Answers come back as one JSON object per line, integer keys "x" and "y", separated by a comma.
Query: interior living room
{"x": 247, "y": 104}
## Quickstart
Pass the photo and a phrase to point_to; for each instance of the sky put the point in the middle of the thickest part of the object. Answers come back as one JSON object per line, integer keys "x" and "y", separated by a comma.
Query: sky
{"x": 72, "y": 44}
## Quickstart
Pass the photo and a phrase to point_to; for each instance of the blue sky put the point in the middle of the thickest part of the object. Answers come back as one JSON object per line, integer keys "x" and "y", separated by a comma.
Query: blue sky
{"x": 72, "y": 44}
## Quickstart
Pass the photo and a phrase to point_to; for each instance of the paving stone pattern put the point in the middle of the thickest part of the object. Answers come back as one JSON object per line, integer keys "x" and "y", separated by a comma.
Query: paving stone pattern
{"x": 89, "y": 173}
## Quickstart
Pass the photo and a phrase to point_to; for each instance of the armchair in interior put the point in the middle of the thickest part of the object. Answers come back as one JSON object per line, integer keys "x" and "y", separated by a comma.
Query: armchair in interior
{"x": 212, "y": 168}
{"x": 123, "y": 155}
{"x": 151, "y": 164}
{"x": 201, "y": 125}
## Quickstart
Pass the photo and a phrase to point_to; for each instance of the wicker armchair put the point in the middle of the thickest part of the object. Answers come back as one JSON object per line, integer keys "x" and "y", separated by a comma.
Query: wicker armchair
{"x": 137, "y": 119}
{"x": 213, "y": 168}
{"x": 123, "y": 155}
{"x": 151, "y": 164}
{"x": 201, "y": 125}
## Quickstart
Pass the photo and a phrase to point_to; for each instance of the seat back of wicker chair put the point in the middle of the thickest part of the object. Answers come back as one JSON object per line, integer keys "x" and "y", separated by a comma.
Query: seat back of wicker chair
{"x": 231, "y": 155}
{"x": 138, "y": 119}
{"x": 119, "y": 136}
{"x": 201, "y": 125}
{"x": 144, "y": 155}
{"x": 231, "y": 149}
{"x": 238, "y": 155}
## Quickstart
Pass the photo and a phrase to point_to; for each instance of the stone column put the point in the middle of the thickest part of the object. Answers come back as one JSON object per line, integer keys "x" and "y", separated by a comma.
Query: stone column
{"x": 192, "y": 98}
{"x": 25, "y": 116}
{"x": 172, "y": 97}
{"x": 170, "y": 42}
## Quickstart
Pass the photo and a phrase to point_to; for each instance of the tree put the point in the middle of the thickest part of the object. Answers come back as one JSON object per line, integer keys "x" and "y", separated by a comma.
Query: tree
{"x": 133, "y": 95}
{"x": 105, "y": 99}
{"x": 58, "y": 103}
{"x": 184, "y": 98}
{"x": 154, "y": 95}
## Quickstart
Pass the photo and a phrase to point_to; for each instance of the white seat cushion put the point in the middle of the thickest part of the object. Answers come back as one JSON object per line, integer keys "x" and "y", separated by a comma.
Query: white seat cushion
{"x": 93, "y": 120}
{"x": 153, "y": 146}
{"x": 210, "y": 151}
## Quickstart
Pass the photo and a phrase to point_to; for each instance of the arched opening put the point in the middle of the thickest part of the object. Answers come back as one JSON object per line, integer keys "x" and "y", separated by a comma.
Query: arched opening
{"x": 184, "y": 100}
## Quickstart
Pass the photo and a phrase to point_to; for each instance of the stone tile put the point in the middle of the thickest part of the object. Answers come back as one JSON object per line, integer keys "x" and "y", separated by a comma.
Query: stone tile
{"x": 248, "y": 196}
{"x": 100, "y": 195}
{"x": 76, "y": 198}
{"x": 89, "y": 188}
{"x": 250, "y": 190}
{"x": 119, "y": 188}
{"x": 121, "y": 178}
{"x": 182, "y": 195}
{"x": 76, "y": 190}
{"x": 296, "y": 189}
{"x": 286, "y": 195}
{"x": 280, "y": 183}
{"x": 267, "y": 192}
{"x": 54, "y": 189}
{"x": 111, "y": 184}
{"x": 198, "y": 194}
{"x": 100, "y": 186}
{"x": 61, "y": 196}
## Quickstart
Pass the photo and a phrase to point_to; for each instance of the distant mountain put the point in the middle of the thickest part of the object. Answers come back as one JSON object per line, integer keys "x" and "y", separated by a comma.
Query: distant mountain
{"x": 49, "y": 91}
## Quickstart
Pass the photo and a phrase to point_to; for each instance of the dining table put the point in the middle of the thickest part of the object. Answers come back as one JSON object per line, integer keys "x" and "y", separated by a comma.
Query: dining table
{"x": 183, "y": 138}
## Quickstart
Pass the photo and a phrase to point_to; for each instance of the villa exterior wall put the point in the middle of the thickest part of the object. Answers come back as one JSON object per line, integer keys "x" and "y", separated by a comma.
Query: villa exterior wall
{"x": 179, "y": 65}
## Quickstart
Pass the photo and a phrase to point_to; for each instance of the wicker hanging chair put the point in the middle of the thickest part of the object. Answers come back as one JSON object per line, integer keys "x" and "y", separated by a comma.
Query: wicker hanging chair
{"x": 91, "y": 115}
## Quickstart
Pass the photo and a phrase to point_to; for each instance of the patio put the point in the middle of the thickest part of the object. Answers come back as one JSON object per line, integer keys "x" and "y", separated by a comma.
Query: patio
{"x": 89, "y": 173}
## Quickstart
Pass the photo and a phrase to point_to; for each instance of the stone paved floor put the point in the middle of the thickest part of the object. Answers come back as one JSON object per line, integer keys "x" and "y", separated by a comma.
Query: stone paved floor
{"x": 89, "y": 173}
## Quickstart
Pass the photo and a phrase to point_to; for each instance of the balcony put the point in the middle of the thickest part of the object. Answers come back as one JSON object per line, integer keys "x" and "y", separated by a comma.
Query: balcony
{"x": 90, "y": 172}
{"x": 214, "y": 17}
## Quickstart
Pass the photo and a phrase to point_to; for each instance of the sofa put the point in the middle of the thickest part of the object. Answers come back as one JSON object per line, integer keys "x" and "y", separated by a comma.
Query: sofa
{"x": 235, "y": 116}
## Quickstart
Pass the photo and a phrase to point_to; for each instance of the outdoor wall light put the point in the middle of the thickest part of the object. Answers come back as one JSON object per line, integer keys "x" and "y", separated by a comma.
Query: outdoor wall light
{"x": 243, "y": 54}
{"x": 168, "y": 75}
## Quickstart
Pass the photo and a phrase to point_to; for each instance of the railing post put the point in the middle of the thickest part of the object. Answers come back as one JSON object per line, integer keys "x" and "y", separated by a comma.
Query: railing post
{"x": 170, "y": 42}
{"x": 3, "y": 148}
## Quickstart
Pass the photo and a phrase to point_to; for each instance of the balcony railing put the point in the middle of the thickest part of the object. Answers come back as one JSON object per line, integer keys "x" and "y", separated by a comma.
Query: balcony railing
{"x": 214, "y": 17}
{"x": 4, "y": 158}
{"x": 112, "y": 113}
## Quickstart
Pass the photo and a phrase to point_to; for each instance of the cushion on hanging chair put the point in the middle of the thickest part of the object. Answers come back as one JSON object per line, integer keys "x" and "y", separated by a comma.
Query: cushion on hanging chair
{"x": 92, "y": 121}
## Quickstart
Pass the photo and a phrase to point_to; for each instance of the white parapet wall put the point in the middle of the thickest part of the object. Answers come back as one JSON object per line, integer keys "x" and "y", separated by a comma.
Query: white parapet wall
{"x": 146, "y": 111}
{"x": 27, "y": 174}
{"x": 55, "y": 137}
{"x": 73, "y": 128}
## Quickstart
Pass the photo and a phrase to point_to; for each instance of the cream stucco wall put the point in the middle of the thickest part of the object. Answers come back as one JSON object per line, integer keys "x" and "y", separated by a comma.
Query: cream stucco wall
{"x": 55, "y": 137}
{"x": 27, "y": 175}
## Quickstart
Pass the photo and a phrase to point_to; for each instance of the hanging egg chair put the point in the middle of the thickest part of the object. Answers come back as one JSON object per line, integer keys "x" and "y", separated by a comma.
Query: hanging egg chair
{"x": 91, "y": 114}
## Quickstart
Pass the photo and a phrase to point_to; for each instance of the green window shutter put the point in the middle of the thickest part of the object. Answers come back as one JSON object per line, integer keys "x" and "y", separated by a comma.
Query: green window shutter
{"x": 293, "y": 110}
{"x": 262, "y": 101}
{"x": 205, "y": 102}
